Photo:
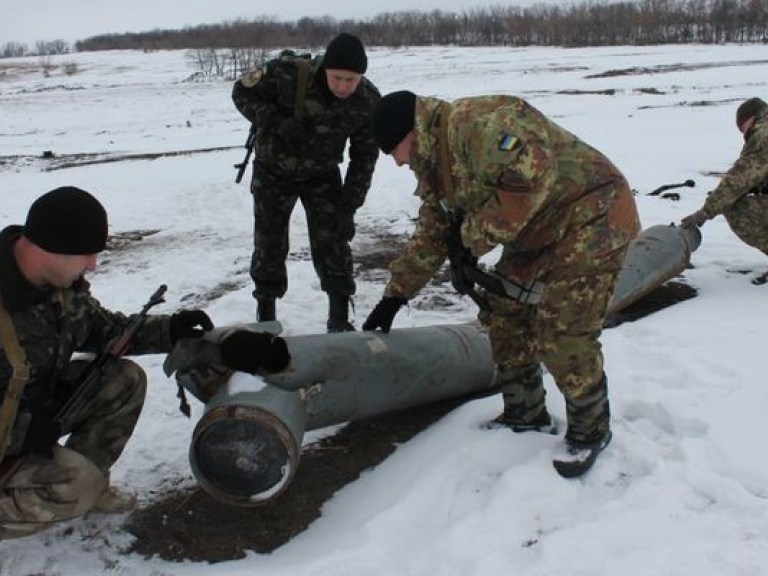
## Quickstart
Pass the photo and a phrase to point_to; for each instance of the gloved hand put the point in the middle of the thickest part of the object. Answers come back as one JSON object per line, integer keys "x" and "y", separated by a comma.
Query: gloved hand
{"x": 292, "y": 131}
{"x": 189, "y": 324}
{"x": 42, "y": 435}
{"x": 697, "y": 219}
{"x": 252, "y": 352}
{"x": 384, "y": 312}
{"x": 345, "y": 227}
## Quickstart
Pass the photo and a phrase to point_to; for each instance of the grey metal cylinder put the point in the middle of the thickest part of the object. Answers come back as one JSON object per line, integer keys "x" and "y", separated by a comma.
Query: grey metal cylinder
{"x": 656, "y": 255}
{"x": 246, "y": 447}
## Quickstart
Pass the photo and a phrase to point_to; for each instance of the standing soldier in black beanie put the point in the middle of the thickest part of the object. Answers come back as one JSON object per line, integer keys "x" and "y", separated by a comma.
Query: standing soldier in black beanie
{"x": 304, "y": 113}
{"x": 46, "y": 314}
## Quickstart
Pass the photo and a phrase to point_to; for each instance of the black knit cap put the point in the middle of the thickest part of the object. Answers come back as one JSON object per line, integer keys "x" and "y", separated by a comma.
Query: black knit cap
{"x": 748, "y": 109}
{"x": 67, "y": 220}
{"x": 346, "y": 52}
{"x": 393, "y": 117}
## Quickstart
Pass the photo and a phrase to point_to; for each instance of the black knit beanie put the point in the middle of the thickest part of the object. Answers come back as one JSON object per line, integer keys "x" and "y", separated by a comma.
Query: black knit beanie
{"x": 748, "y": 109}
{"x": 346, "y": 52}
{"x": 67, "y": 220}
{"x": 393, "y": 118}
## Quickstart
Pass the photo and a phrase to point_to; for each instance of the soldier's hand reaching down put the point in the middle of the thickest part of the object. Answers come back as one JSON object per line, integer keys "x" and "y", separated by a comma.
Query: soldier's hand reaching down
{"x": 345, "y": 227}
{"x": 696, "y": 219}
{"x": 384, "y": 313}
{"x": 253, "y": 352}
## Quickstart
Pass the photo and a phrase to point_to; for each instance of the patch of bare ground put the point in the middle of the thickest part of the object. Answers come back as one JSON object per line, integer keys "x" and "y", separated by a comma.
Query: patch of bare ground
{"x": 669, "y": 68}
{"x": 190, "y": 525}
{"x": 48, "y": 160}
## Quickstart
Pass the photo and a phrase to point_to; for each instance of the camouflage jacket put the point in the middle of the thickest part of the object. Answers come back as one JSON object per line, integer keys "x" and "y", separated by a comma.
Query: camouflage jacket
{"x": 522, "y": 182}
{"x": 267, "y": 96}
{"x": 749, "y": 174}
{"x": 52, "y": 324}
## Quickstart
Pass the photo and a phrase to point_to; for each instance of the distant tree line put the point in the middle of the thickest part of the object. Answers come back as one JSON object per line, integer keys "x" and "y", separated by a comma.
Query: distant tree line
{"x": 589, "y": 23}
{"x": 42, "y": 48}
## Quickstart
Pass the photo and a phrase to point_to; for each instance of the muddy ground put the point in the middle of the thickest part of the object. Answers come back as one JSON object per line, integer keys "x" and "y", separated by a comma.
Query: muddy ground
{"x": 190, "y": 525}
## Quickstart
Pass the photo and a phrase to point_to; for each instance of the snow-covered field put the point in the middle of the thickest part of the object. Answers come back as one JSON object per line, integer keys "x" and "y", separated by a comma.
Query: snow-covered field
{"x": 683, "y": 488}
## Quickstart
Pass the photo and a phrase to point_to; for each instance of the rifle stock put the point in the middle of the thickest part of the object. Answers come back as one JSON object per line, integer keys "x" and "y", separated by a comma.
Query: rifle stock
{"x": 89, "y": 381}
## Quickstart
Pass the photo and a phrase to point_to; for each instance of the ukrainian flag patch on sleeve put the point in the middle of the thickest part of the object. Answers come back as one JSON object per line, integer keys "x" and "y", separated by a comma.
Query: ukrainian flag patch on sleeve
{"x": 509, "y": 143}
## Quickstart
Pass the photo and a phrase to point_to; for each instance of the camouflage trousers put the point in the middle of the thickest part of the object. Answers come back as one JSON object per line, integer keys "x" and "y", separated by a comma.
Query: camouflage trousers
{"x": 42, "y": 491}
{"x": 273, "y": 203}
{"x": 748, "y": 218}
{"x": 562, "y": 332}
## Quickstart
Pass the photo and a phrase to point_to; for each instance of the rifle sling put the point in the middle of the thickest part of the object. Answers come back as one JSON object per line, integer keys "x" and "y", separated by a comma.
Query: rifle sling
{"x": 19, "y": 377}
{"x": 445, "y": 159}
{"x": 302, "y": 66}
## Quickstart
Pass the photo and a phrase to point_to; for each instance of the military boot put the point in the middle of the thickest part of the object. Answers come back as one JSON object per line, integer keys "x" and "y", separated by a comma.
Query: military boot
{"x": 589, "y": 430}
{"x": 576, "y": 458}
{"x": 265, "y": 311}
{"x": 338, "y": 313}
{"x": 523, "y": 391}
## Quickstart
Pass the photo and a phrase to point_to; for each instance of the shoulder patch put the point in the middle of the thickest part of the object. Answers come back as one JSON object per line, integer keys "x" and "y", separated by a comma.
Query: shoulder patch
{"x": 252, "y": 77}
{"x": 509, "y": 143}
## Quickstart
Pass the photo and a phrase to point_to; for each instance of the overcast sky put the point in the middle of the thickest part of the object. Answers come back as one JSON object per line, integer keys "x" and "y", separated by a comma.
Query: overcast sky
{"x": 72, "y": 20}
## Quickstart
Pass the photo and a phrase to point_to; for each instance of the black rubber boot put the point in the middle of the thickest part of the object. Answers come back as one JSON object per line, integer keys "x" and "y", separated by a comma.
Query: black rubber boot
{"x": 338, "y": 314}
{"x": 266, "y": 310}
{"x": 578, "y": 457}
{"x": 525, "y": 410}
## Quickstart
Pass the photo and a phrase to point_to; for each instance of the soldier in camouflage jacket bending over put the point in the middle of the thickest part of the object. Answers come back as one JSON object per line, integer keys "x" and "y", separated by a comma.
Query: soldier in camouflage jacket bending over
{"x": 563, "y": 215}
{"x": 304, "y": 113}
{"x": 50, "y": 314}
{"x": 742, "y": 195}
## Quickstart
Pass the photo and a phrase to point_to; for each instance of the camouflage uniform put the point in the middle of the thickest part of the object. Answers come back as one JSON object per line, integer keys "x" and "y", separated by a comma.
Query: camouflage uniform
{"x": 284, "y": 174}
{"x": 563, "y": 214}
{"x": 52, "y": 324}
{"x": 742, "y": 195}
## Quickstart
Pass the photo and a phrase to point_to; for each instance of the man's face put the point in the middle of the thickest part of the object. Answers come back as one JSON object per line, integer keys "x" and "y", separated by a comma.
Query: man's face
{"x": 342, "y": 83}
{"x": 402, "y": 152}
{"x": 62, "y": 270}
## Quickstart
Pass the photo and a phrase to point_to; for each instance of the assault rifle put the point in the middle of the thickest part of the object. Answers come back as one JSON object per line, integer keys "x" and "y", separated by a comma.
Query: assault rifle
{"x": 462, "y": 261}
{"x": 249, "y": 143}
{"x": 89, "y": 382}
{"x": 465, "y": 272}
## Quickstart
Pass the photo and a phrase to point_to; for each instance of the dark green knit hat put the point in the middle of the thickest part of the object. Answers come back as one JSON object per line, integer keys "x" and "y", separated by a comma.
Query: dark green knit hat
{"x": 67, "y": 220}
{"x": 393, "y": 118}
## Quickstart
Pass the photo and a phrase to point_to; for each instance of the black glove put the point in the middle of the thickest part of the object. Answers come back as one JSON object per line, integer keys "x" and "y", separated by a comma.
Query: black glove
{"x": 697, "y": 219}
{"x": 384, "y": 312}
{"x": 189, "y": 324}
{"x": 292, "y": 131}
{"x": 42, "y": 435}
{"x": 251, "y": 352}
{"x": 345, "y": 227}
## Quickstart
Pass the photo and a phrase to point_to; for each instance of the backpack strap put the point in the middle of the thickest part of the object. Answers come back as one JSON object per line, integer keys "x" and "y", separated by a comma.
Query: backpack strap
{"x": 302, "y": 65}
{"x": 19, "y": 377}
